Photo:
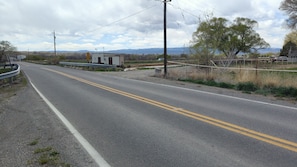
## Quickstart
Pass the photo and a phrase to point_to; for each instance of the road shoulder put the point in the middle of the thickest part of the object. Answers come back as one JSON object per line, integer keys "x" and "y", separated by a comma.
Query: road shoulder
{"x": 30, "y": 134}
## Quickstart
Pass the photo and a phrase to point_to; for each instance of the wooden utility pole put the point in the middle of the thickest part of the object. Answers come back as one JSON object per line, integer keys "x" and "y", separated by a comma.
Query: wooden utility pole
{"x": 55, "y": 44}
{"x": 165, "y": 38}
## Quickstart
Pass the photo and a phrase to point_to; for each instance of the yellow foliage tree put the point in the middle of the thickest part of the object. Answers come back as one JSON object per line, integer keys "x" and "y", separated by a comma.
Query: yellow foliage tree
{"x": 291, "y": 37}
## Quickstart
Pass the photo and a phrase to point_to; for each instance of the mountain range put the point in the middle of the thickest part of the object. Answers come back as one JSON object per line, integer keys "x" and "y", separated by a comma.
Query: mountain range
{"x": 174, "y": 51}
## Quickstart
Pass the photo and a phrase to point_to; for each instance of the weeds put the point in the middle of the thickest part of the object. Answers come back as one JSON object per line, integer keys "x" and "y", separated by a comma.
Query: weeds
{"x": 249, "y": 87}
{"x": 41, "y": 150}
{"x": 34, "y": 142}
{"x": 284, "y": 92}
{"x": 278, "y": 84}
{"x": 46, "y": 156}
{"x": 210, "y": 83}
{"x": 246, "y": 87}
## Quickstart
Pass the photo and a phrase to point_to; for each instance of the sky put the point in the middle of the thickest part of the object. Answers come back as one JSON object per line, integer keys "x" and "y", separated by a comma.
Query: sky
{"x": 104, "y": 25}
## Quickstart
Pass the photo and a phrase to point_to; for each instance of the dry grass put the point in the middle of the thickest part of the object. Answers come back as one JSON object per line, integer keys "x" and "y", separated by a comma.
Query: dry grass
{"x": 270, "y": 79}
{"x": 259, "y": 78}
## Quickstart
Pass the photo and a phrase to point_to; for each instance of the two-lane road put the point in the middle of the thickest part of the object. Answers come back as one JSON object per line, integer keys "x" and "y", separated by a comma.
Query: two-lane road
{"x": 136, "y": 123}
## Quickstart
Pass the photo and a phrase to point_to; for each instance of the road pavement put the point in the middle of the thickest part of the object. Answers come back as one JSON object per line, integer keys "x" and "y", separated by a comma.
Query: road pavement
{"x": 136, "y": 123}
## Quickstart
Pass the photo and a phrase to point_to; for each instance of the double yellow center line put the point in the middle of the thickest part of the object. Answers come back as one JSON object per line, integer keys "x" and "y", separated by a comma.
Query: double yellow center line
{"x": 292, "y": 146}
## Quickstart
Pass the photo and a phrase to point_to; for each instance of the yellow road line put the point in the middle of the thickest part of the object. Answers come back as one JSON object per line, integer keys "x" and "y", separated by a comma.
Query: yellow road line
{"x": 292, "y": 146}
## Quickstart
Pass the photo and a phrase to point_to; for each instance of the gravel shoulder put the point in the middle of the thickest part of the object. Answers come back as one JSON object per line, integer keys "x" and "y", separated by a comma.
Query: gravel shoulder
{"x": 27, "y": 125}
{"x": 31, "y": 135}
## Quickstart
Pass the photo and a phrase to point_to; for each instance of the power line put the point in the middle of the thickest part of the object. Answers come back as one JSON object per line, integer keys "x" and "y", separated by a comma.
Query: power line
{"x": 124, "y": 18}
{"x": 184, "y": 11}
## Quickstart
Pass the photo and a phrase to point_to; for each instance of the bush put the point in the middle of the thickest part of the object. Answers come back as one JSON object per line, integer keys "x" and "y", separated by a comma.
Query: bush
{"x": 209, "y": 83}
{"x": 246, "y": 86}
{"x": 225, "y": 85}
{"x": 284, "y": 91}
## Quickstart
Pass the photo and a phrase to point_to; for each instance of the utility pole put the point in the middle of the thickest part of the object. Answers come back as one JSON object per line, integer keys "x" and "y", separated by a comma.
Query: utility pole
{"x": 55, "y": 44}
{"x": 165, "y": 38}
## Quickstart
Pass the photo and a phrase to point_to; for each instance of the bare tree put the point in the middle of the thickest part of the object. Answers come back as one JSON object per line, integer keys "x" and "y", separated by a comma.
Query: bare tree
{"x": 290, "y": 7}
{"x": 6, "y": 49}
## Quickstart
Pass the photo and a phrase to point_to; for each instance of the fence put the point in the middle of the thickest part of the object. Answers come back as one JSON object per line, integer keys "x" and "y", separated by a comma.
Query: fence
{"x": 274, "y": 76}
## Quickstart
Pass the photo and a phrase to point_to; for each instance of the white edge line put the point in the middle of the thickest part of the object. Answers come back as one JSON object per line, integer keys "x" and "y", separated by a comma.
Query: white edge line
{"x": 89, "y": 148}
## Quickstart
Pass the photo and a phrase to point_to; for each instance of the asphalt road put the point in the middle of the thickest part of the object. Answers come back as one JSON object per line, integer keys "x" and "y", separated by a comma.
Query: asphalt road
{"x": 135, "y": 123}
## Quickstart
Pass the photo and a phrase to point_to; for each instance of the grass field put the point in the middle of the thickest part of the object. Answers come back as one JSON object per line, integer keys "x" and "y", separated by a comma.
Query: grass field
{"x": 277, "y": 83}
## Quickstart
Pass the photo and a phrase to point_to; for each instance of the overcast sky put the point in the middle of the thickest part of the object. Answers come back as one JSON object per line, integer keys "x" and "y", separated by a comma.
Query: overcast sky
{"x": 125, "y": 24}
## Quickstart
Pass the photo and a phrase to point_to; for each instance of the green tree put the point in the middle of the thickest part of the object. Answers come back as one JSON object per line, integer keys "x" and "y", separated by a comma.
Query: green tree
{"x": 6, "y": 49}
{"x": 241, "y": 37}
{"x": 217, "y": 34}
{"x": 205, "y": 41}
{"x": 290, "y": 8}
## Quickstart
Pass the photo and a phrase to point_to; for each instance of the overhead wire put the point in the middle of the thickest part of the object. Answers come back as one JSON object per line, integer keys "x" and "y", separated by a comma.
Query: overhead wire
{"x": 124, "y": 18}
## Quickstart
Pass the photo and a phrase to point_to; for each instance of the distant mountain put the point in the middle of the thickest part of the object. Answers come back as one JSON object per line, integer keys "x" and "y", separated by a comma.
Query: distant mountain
{"x": 173, "y": 51}
{"x": 160, "y": 51}
{"x": 170, "y": 51}
{"x": 270, "y": 50}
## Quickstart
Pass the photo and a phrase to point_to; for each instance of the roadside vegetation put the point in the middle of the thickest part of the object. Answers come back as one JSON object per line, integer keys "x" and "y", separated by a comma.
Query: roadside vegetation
{"x": 4, "y": 70}
{"x": 218, "y": 43}
{"x": 8, "y": 87}
{"x": 45, "y": 156}
{"x": 278, "y": 84}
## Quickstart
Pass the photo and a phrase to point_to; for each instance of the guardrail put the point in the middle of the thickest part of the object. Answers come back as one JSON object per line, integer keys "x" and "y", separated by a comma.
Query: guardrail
{"x": 11, "y": 74}
{"x": 86, "y": 65}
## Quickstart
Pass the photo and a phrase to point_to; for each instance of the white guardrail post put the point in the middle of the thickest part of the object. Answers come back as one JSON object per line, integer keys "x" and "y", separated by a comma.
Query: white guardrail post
{"x": 11, "y": 74}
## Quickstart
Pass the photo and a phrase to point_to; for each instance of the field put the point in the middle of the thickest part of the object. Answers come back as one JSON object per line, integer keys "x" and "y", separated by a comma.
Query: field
{"x": 279, "y": 79}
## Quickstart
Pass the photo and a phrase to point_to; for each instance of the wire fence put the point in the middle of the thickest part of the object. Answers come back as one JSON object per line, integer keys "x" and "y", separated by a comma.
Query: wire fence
{"x": 278, "y": 75}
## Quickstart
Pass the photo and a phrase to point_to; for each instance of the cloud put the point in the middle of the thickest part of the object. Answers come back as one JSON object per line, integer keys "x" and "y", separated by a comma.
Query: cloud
{"x": 80, "y": 25}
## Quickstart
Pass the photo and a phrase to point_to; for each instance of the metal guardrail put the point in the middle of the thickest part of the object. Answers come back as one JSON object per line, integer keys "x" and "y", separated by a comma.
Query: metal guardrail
{"x": 11, "y": 74}
{"x": 86, "y": 65}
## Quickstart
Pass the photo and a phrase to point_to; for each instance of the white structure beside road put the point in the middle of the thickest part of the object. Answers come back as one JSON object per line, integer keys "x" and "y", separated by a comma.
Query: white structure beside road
{"x": 108, "y": 59}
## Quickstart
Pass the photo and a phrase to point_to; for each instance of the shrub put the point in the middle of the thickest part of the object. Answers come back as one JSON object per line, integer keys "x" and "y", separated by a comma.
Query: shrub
{"x": 225, "y": 85}
{"x": 246, "y": 86}
{"x": 210, "y": 83}
{"x": 284, "y": 91}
